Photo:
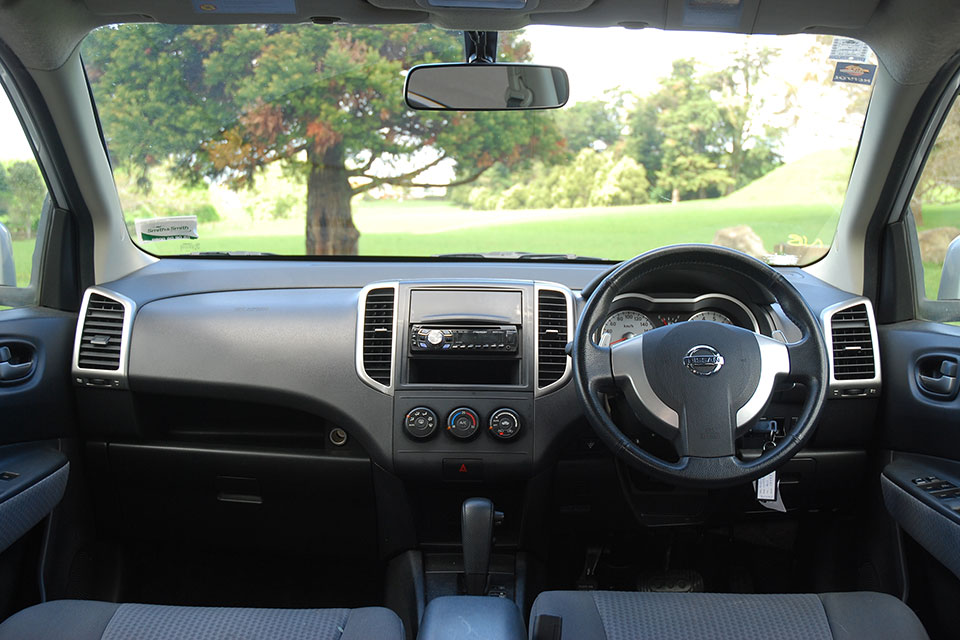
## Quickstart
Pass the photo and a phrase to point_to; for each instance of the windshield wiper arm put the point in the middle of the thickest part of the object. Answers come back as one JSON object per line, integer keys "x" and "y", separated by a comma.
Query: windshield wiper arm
{"x": 521, "y": 255}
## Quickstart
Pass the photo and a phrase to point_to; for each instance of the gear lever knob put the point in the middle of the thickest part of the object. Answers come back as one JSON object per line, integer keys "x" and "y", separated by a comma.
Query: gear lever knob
{"x": 476, "y": 530}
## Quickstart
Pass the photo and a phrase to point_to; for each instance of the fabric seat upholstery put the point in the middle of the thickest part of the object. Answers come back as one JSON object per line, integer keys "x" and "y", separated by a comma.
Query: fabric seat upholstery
{"x": 618, "y": 615}
{"x": 89, "y": 620}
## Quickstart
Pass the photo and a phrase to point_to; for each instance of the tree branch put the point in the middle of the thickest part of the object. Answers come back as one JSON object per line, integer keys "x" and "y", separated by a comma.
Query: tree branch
{"x": 455, "y": 183}
{"x": 359, "y": 171}
{"x": 376, "y": 182}
{"x": 401, "y": 180}
{"x": 413, "y": 174}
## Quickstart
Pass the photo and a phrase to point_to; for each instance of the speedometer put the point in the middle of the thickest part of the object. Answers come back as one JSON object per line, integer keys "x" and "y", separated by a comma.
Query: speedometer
{"x": 623, "y": 325}
{"x": 712, "y": 316}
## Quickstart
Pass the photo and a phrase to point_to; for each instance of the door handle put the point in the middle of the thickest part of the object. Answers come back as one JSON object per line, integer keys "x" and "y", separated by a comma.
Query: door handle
{"x": 13, "y": 371}
{"x": 938, "y": 376}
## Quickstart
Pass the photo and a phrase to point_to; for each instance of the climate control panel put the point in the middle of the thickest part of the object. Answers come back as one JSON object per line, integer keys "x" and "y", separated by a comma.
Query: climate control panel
{"x": 455, "y": 436}
{"x": 462, "y": 423}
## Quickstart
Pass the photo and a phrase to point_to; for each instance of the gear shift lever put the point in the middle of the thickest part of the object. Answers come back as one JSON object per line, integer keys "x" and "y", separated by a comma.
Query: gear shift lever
{"x": 476, "y": 529}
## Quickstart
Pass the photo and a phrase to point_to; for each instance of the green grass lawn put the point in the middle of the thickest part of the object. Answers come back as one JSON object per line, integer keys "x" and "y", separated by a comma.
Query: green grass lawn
{"x": 799, "y": 200}
{"x": 615, "y": 232}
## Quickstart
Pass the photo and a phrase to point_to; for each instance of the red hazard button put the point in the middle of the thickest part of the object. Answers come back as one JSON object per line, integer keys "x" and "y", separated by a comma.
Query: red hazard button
{"x": 463, "y": 469}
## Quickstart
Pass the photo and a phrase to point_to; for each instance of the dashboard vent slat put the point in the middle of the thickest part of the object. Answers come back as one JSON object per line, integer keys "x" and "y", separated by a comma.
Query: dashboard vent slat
{"x": 102, "y": 334}
{"x": 551, "y": 337}
{"x": 378, "y": 335}
{"x": 852, "y": 342}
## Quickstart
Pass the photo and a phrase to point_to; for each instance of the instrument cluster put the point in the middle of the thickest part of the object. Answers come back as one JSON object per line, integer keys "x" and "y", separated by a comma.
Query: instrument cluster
{"x": 635, "y": 313}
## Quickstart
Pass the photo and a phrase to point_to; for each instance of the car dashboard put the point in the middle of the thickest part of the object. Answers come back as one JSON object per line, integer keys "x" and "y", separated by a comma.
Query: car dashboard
{"x": 438, "y": 374}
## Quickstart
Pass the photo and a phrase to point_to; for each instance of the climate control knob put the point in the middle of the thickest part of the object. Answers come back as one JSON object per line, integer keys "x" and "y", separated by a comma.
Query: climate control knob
{"x": 463, "y": 423}
{"x": 504, "y": 424}
{"x": 420, "y": 423}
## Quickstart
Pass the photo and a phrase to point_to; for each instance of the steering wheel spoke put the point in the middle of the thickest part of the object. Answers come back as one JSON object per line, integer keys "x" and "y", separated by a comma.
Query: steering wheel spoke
{"x": 805, "y": 361}
{"x": 598, "y": 362}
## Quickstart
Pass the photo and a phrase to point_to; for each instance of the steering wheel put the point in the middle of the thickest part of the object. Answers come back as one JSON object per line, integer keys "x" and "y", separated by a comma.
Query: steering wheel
{"x": 700, "y": 385}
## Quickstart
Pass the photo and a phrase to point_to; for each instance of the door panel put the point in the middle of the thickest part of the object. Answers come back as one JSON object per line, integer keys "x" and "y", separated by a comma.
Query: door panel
{"x": 916, "y": 419}
{"x": 40, "y": 405}
{"x": 37, "y": 420}
{"x": 920, "y": 427}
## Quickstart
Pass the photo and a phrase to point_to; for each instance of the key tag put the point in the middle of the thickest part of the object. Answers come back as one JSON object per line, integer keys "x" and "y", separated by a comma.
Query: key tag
{"x": 768, "y": 492}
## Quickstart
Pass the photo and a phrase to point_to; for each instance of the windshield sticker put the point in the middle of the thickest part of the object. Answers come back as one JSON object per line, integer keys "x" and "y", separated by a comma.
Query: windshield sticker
{"x": 172, "y": 228}
{"x": 245, "y": 6}
{"x": 854, "y": 73}
{"x": 849, "y": 50}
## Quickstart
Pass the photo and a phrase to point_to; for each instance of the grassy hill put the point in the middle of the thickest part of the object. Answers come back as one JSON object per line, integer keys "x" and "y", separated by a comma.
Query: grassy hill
{"x": 819, "y": 178}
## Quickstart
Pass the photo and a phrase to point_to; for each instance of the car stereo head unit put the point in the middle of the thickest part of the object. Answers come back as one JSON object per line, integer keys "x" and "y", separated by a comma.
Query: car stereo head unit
{"x": 476, "y": 339}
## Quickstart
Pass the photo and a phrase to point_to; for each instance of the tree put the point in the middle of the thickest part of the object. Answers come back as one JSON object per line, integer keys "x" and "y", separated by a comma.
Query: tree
{"x": 24, "y": 202}
{"x": 688, "y": 119}
{"x": 324, "y": 101}
{"x": 644, "y": 142}
{"x": 590, "y": 124}
{"x": 4, "y": 191}
{"x": 940, "y": 181}
{"x": 748, "y": 152}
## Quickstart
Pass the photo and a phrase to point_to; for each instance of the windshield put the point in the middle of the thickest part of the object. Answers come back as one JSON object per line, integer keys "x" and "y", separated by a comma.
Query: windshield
{"x": 295, "y": 139}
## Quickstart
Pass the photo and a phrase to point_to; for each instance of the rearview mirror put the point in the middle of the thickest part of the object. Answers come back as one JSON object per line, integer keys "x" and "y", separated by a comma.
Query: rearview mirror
{"x": 485, "y": 87}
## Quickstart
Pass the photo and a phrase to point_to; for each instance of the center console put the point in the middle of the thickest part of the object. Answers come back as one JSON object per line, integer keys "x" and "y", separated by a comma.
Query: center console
{"x": 468, "y": 360}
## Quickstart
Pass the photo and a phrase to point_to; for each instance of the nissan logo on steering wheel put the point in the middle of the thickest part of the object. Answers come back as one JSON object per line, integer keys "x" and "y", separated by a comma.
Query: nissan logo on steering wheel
{"x": 703, "y": 360}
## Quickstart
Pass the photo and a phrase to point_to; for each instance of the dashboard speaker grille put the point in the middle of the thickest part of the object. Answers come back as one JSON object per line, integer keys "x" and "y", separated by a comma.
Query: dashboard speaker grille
{"x": 552, "y": 336}
{"x": 378, "y": 335}
{"x": 102, "y": 334}
{"x": 853, "y": 356}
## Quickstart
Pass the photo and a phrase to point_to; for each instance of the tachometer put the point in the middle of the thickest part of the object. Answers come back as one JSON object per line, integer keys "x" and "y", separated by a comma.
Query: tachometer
{"x": 712, "y": 316}
{"x": 623, "y": 325}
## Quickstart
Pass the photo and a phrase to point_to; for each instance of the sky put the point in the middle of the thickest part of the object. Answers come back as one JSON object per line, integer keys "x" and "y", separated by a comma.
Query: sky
{"x": 600, "y": 59}
{"x": 15, "y": 145}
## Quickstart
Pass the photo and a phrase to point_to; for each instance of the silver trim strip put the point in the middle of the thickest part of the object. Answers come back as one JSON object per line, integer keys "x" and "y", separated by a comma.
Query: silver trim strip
{"x": 701, "y": 298}
{"x": 567, "y": 372}
{"x": 826, "y": 318}
{"x": 361, "y": 315}
{"x": 626, "y": 362}
{"x": 774, "y": 361}
{"x": 80, "y": 374}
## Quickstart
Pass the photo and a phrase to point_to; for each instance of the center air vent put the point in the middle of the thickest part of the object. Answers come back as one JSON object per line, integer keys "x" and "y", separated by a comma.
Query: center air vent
{"x": 854, "y": 357}
{"x": 378, "y": 327}
{"x": 552, "y": 336}
{"x": 102, "y": 334}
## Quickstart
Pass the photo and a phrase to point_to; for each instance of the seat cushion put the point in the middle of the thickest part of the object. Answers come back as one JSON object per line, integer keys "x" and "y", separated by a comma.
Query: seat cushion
{"x": 87, "y": 620}
{"x": 619, "y": 615}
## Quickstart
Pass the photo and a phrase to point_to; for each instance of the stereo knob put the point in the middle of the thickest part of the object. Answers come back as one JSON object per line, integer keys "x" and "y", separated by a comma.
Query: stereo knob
{"x": 435, "y": 337}
{"x": 463, "y": 423}
{"x": 420, "y": 423}
{"x": 504, "y": 424}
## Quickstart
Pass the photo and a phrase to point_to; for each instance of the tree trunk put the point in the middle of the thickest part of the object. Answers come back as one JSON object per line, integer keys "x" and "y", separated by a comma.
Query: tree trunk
{"x": 330, "y": 229}
{"x": 917, "y": 208}
{"x": 675, "y": 196}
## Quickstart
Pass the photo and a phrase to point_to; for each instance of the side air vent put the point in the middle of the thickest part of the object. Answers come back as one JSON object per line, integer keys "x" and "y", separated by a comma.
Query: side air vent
{"x": 852, "y": 344}
{"x": 378, "y": 328}
{"x": 102, "y": 334}
{"x": 552, "y": 336}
